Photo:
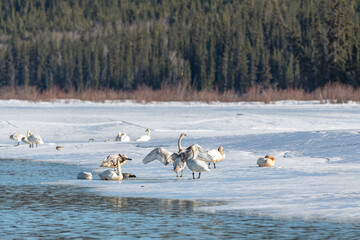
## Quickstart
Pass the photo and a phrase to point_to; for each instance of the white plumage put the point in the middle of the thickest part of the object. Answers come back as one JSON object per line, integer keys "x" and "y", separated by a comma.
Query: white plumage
{"x": 160, "y": 154}
{"x": 194, "y": 164}
{"x": 267, "y": 161}
{"x": 210, "y": 156}
{"x": 34, "y": 139}
{"x": 122, "y": 137}
{"x": 144, "y": 138}
{"x": 17, "y": 137}
{"x": 85, "y": 175}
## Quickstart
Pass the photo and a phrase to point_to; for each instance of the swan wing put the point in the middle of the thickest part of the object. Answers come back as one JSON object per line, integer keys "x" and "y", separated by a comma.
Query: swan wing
{"x": 35, "y": 139}
{"x": 160, "y": 154}
{"x": 196, "y": 165}
{"x": 110, "y": 175}
{"x": 109, "y": 161}
{"x": 143, "y": 138}
{"x": 125, "y": 139}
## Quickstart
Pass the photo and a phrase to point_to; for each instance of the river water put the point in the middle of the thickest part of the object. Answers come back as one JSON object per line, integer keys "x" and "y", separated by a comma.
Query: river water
{"x": 32, "y": 209}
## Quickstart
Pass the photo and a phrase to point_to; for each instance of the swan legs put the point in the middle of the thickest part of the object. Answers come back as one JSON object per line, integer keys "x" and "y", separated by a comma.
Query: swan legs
{"x": 181, "y": 174}
{"x": 214, "y": 165}
{"x": 194, "y": 175}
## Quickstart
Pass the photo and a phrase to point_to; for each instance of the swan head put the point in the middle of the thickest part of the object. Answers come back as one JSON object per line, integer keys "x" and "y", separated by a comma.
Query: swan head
{"x": 147, "y": 130}
{"x": 123, "y": 159}
{"x": 91, "y": 140}
{"x": 270, "y": 157}
{"x": 182, "y": 135}
{"x": 120, "y": 134}
{"x": 220, "y": 149}
{"x": 28, "y": 133}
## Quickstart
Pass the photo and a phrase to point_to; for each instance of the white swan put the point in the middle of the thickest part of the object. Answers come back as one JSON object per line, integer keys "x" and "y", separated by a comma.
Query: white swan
{"x": 122, "y": 137}
{"x": 267, "y": 161}
{"x": 85, "y": 175}
{"x": 111, "y": 160}
{"x": 194, "y": 164}
{"x": 34, "y": 139}
{"x": 17, "y": 137}
{"x": 26, "y": 140}
{"x": 166, "y": 157}
{"x": 211, "y": 156}
{"x": 144, "y": 138}
{"x": 112, "y": 174}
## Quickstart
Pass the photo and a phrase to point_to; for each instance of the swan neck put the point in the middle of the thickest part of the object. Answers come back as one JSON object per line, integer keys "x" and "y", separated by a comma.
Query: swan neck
{"x": 194, "y": 153}
{"x": 119, "y": 172}
{"x": 148, "y": 132}
{"x": 179, "y": 144}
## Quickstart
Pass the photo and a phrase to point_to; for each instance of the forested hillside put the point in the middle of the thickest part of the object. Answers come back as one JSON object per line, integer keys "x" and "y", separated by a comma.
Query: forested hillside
{"x": 203, "y": 44}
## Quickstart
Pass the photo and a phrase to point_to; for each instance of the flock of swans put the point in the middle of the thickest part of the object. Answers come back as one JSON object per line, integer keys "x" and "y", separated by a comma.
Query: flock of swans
{"x": 30, "y": 139}
{"x": 196, "y": 158}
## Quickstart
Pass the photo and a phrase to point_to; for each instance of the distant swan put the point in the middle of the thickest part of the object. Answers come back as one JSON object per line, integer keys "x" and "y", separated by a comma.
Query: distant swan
{"x": 144, "y": 138}
{"x": 33, "y": 139}
{"x": 211, "y": 156}
{"x": 26, "y": 140}
{"x": 112, "y": 174}
{"x": 111, "y": 160}
{"x": 194, "y": 164}
{"x": 85, "y": 175}
{"x": 267, "y": 161}
{"x": 166, "y": 157}
{"x": 122, "y": 137}
{"x": 17, "y": 137}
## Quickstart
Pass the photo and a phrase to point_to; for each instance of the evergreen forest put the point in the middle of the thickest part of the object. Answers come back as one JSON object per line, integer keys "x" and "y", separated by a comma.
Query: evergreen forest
{"x": 213, "y": 45}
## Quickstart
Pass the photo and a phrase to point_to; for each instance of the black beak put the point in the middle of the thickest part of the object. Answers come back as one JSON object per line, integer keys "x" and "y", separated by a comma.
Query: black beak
{"x": 128, "y": 159}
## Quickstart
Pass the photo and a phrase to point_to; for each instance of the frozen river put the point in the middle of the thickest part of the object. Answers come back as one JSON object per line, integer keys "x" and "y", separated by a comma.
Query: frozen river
{"x": 315, "y": 177}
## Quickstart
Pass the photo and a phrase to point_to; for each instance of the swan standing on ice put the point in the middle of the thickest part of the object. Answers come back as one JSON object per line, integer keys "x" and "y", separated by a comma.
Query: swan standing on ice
{"x": 111, "y": 161}
{"x": 17, "y": 137}
{"x": 144, "y": 138}
{"x": 180, "y": 160}
{"x": 194, "y": 164}
{"x": 112, "y": 174}
{"x": 166, "y": 157}
{"x": 122, "y": 137}
{"x": 34, "y": 139}
{"x": 267, "y": 161}
{"x": 26, "y": 140}
{"x": 211, "y": 156}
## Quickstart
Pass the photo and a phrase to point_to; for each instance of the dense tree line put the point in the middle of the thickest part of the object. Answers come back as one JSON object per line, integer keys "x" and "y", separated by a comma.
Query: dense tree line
{"x": 203, "y": 44}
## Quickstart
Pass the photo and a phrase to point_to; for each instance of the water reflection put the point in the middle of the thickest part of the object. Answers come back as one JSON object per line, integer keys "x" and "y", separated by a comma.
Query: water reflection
{"x": 30, "y": 209}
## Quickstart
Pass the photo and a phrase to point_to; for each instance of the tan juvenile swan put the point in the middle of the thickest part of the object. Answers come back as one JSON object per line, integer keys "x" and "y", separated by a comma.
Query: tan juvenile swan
{"x": 112, "y": 174}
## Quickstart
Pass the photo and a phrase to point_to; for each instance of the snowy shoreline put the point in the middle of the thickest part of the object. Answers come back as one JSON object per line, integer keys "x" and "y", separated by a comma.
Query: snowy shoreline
{"x": 315, "y": 146}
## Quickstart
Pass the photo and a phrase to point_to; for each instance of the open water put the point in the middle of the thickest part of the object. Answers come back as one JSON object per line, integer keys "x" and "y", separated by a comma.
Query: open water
{"x": 32, "y": 209}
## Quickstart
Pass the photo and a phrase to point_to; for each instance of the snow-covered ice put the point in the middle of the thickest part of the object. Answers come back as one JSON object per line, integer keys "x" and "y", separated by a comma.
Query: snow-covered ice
{"x": 316, "y": 174}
